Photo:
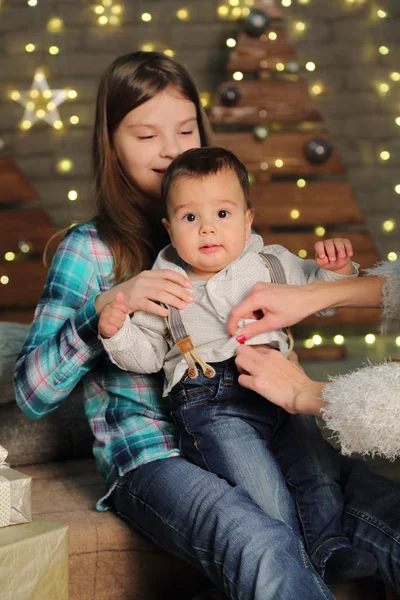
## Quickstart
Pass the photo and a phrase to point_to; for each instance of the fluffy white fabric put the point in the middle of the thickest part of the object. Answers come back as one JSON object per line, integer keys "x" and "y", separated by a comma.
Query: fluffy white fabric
{"x": 363, "y": 410}
{"x": 390, "y": 272}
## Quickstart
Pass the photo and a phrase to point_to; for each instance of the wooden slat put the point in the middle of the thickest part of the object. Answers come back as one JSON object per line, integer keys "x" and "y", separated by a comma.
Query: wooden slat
{"x": 285, "y": 145}
{"x": 271, "y": 7}
{"x": 17, "y": 316}
{"x": 364, "y": 250}
{"x": 260, "y": 54}
{"x": 325, "y": 352}
{"x": 281, "y": 100}
{"x": 25, "y": 286}
{"x": 345, "y": 317}
{"x": 319, "y": 203}
{"x": 31, "y": 225}
{"x": 14, "y": 187}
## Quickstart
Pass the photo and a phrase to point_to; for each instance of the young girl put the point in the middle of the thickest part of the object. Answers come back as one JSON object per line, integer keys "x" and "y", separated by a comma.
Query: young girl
{"x": 148, "y": 111}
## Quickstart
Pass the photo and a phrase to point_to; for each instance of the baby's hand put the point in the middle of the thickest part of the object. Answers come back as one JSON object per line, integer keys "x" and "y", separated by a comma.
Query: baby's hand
{"x": 112, "y": 316}
{"x": 334, "y": 255}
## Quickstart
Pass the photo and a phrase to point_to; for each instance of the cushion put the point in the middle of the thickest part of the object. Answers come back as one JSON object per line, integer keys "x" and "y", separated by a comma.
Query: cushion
{"x": 12, "y": 337}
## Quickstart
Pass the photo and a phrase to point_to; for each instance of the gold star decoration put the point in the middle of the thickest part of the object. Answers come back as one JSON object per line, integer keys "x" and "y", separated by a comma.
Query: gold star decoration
{"x": 41, "y": 102}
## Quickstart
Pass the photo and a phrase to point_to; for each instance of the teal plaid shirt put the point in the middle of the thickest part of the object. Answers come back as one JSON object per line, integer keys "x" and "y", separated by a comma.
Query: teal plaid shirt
{"x": 129, "y": 420}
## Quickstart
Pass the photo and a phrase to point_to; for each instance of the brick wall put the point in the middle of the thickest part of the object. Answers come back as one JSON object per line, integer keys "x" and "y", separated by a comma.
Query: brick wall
{"x": 342, "y": 40}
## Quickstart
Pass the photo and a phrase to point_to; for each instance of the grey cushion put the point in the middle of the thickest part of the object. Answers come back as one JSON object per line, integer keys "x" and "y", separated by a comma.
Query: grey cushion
{"x": 12, "y": 337}
{"x": 62, "y": 434}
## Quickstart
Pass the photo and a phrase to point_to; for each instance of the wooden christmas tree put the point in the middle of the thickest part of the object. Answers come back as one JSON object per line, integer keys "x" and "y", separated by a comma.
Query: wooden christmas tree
{"x": 24, "y": 232}
{"x": 265, "y": 114}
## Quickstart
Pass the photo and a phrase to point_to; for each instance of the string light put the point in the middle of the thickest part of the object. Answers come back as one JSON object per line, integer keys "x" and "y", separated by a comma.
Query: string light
{"x": 231, "y": 43}
{"x": 317, "y": 339}
{"x": 395, "y": 76}
{"x": 72, "y": 195}
{"x": 55, "y": 25}
{"x": 169, "y": 52}
{"x": 338, "y": 339}
{"x": 279, "y": 163}
{"x": 9, "y": 256}
{"x": 64, "y": 165}
{"x": 74, "y": 120}
{"x": 300, "y": 26}
{"x": 54, "y": 50}
{"x": 237, "y": 76}
{"x": 264, "y": 166}
{"x": 317, "y": 89}
{"x": 389, "y": 225}
{"x": 4, "y": 279}
{"x": 392, "y": 256}
{"x": 384, "y": 50}
{"x": 381, "y": 14}
{"x": 398, "y": 121}
{"x": 397, "y": 189}
{"x": 32, "y": 2}
{"x": 370, "y": 338}
{"x": 302, "y": 253}
{"x": 319, "y": 231}
{"x": 223, "y": 11}
{"x": 384, "y": 88}
{"x": 308, "y": 344}
{"x": 398, "y": 341}
{"x": 272, "y": 36}
{"x": 286, "y": 3}
{"x": 30, "y": 47}
{"x": 182, "y": 14}
{"x": 146, "y": 17}
{"x": 310, "y": 66}
{"x": 294, "y": 214}
{"x": 385, "y": 155}
{"x": 280, "y": 66}
{"x": 301, "y": 183}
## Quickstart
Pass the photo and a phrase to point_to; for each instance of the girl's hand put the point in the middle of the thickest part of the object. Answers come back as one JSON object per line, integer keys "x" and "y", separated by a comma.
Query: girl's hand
{"x": 334, "y": 255}
{"x": 149, "y": 287}
{"x": 112, "y": 316}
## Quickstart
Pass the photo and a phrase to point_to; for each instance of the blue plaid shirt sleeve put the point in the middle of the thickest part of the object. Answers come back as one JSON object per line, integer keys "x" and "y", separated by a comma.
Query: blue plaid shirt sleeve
{"x": 62, "y": 345}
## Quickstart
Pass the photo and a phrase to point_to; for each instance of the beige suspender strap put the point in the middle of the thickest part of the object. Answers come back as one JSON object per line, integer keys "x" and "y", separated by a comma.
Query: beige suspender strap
{"x": 277, "y": 275}
{"x": 186, "y": 347}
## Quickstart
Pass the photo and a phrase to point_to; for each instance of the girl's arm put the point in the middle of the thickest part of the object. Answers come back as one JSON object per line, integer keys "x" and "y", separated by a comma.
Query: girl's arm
{"x": 62, "y": 345}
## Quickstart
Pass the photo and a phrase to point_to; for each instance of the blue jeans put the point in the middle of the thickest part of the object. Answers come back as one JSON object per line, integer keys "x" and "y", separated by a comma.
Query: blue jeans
{"x": 245, "y": 439}
{"x": 197, "y": 516}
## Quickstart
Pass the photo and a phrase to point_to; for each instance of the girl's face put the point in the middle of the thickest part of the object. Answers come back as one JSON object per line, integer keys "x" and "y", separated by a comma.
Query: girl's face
{"x": 150, "y": 136}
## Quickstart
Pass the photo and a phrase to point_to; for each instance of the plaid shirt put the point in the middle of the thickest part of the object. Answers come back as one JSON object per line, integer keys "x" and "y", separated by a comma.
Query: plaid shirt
{"x": 130, "y": 424}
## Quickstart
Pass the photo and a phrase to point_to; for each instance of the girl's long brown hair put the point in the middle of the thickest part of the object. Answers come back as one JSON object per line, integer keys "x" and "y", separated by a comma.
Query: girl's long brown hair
{"x": 124, "y": 217}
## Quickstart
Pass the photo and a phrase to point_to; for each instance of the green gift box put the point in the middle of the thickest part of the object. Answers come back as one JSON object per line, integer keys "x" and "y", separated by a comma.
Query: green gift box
{"x": 15, "y": 494}
{"x": 34, "y": 562}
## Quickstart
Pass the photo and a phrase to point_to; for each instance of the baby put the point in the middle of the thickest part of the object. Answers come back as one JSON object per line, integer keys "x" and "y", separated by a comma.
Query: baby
{"x": 224, "y": 428}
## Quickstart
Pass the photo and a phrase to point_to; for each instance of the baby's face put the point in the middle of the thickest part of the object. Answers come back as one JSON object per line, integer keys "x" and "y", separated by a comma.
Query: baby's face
{"x": 208, "y": 221}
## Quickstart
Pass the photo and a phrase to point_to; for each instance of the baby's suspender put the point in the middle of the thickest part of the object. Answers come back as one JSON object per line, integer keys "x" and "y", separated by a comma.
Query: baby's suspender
{"x": 183, "y": 340}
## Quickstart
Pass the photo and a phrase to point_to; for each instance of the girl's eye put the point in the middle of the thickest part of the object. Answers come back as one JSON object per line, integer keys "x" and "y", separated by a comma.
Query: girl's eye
{"x": 222, "y": 214}
{"x": 187, "y": 132}
{"x": 190, "y": 217}
{"x": 146, "y": 137}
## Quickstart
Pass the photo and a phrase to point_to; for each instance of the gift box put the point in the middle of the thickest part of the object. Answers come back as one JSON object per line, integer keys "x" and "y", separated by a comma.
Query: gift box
{"x": 15, "y": 494}
{"x": 34, "y": 561}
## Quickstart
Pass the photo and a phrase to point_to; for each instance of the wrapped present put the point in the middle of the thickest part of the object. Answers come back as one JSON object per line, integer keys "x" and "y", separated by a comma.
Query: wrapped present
{"x": 15, "y": 494}
{"x": 34, "y": 561}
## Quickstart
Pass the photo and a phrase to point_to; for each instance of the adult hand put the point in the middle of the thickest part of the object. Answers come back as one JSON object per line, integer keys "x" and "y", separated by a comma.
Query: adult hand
{"x": 279, "y": 380}
{"x": 274, "y": 305}
{"x": 144, "y": 291}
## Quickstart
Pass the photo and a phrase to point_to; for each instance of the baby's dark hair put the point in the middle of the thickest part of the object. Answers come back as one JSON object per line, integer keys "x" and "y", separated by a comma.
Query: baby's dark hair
{"x": 201, "y": 162}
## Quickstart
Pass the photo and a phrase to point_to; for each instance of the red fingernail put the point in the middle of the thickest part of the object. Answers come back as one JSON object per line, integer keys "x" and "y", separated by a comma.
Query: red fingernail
{"x": 241, "y": 338}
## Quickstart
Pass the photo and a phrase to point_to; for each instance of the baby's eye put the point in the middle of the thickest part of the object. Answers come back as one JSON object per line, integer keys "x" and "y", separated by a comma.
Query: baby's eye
{"x": 222, "y": 214}
{"x": 187, "y": 132}
{"x": 189, "y": 217}
{"x": 146, "y": 137}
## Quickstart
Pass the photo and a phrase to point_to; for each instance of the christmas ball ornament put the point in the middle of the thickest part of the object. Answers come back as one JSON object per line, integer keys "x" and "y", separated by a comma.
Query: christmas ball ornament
{"x": 317, "y": 151}
{"x": 256, "y": 22}
{"x": 261, "y": 132}
{"x": 230, "y": 95}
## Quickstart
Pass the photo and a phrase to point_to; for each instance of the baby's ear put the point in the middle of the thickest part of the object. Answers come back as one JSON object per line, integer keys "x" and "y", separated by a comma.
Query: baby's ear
{"x": 249, "y": 221}
{"x": 167, "y": 226}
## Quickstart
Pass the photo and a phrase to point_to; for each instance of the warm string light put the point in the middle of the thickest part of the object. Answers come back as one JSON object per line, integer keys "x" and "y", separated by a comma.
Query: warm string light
{"x": 234, "y": 9}
{"x": 109, "y": 13}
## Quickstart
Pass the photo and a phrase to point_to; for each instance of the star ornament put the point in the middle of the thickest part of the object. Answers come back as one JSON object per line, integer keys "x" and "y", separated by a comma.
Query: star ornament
{"x": 41, "y": 102}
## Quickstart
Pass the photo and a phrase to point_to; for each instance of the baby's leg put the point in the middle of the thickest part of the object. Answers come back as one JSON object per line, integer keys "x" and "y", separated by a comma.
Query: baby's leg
{"x": 226, "y": 430}
{"x": 312, "y": 469}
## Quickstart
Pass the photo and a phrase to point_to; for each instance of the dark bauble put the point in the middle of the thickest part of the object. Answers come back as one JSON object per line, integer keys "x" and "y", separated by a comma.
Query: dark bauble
{"x": 230, "y": 95}
{"x": 256, "y": 22}
{"x": 317, "y": 151}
